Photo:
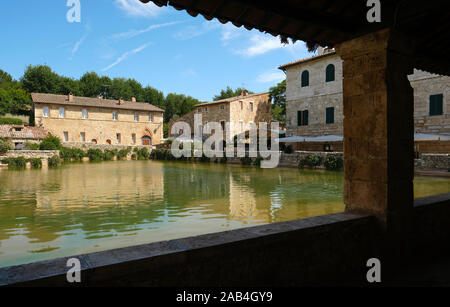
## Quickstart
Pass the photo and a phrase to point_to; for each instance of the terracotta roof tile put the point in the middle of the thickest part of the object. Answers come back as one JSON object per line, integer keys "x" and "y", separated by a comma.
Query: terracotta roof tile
{"x": 228, "y": 100}
{"x": 93, "y": 102}
{"x": 316, "y": 57}
{"x": 33, "y": 133}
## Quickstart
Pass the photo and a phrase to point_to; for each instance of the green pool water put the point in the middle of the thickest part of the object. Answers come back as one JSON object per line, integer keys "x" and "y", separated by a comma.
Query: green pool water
{"x": 89, "y": 207}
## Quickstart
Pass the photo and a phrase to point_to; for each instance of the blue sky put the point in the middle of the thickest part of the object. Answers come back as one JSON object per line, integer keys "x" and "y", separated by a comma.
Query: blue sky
{"x": 161, "y": 47}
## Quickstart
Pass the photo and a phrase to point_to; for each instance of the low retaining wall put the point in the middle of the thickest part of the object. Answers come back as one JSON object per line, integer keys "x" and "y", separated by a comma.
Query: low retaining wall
{"x": 31, "y": 154}
{"x": 433, "y": 161}
{"x": 102, "y": 147}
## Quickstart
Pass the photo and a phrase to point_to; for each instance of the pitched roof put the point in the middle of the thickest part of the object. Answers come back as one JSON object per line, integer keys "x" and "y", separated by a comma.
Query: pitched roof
{"x": 228, "y": 100}
{"x": 302, "y": 61}
{"x": 33, "y": 133}
{"x": 93, "y": 102}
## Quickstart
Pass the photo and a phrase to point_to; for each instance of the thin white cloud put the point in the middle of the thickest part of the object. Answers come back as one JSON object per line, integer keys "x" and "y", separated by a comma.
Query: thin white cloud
{"x": 195, "y": 31}
{"x": 271, "y": 77}
{"x": 126, "y": 55}
{"x": 264, "y": 43}
{"x": 133, "y": 33}
{"x": 230, "y": 32}
{"x": 79, "y": 42}
{"x": 139, "y": 9}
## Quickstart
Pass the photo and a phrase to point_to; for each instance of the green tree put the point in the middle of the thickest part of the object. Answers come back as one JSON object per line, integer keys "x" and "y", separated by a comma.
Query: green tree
{"x": 91, "y": 84}
{"x": 40, "y": 79}
{"x": 278, "y": 98}
{"x": 229, "y": 93}
{"x": 13, "y": 98}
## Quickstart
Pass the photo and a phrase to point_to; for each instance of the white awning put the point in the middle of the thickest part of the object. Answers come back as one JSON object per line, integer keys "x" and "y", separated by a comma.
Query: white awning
{"x": 339, "y": 138}
{"x": 324, "y": 138}
{"x": 431, "y": 137}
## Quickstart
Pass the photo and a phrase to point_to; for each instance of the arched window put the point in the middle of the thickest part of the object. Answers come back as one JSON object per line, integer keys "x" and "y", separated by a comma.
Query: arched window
{"x": 305, "y": 78}
{"x": 330, "y": 73}
{"x": 146, "y": 141}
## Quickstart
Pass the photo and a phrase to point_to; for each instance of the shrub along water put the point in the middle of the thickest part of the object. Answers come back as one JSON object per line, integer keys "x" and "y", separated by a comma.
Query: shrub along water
{"x": 54, "y": 161}
{"x": 35, "y": 163}
{"x": 5, "y": 145}
{"x": 17, "y": 163}
{"x": 50, "y": 142}
{"x": 311, "y": 161}
{"x": 333, "y": 163}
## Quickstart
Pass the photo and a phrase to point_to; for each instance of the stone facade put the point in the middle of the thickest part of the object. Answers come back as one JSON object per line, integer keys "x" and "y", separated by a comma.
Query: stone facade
{"x": 239, "y": 111}
{"x": 320, "y": 95}
{"x": 19, "y": 134}
{"x": 99, "y": 121}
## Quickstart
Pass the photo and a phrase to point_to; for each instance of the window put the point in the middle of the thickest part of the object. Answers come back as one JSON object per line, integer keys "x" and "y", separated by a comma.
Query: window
{"x": 119, "y": 138}
{"x": 136, "y": 117}
{"x": 66, "y": 136}
{"x": 251, "y": 106}
{"x": 436, "y": 104}
{"x": 302, "y": 118}
{"x": 330, "y": 115}
{"x": 133, "y": 138}
{"x": 62, "y": 113}
{"x": 329, "y": 72}
{"x": 46, "y": 111}
{"x": 242, "y": 105}
{"x": 222, "y": 107}
{"x": 115, "y": 116}
{"x": 206, "y": 109}
{"x": 150, "y": 118}
{"x": 84, "y": 114}
{"x": 83, "y": 137}
{"x": 305, "y": 78}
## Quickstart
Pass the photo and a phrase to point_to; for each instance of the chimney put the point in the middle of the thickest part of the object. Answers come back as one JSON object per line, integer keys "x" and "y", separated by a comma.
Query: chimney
{"x": 121, "y": 100}
{"x": 70, "y": 97}
{"x": 133, "y": 99}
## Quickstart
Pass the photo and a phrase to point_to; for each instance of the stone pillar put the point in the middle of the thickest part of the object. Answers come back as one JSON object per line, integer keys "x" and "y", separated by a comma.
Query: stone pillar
{"x": 379, "y": 127}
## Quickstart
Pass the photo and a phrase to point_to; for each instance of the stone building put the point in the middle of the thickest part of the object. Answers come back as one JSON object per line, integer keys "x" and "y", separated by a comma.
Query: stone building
{"x": 239, "y": 111}
{"x": 99, "y": 121}
{"x": 19, "y": 134}
{"x": 314, "y": 95}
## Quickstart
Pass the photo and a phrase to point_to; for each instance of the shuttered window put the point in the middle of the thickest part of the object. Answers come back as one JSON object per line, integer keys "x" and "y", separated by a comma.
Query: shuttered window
{"x": 305, "y": 78}
{"x": 330, "y": 115}
{"x": 329, "y": 73}
{"x": 302, "y": 118}
{"x": 436, "y": 104}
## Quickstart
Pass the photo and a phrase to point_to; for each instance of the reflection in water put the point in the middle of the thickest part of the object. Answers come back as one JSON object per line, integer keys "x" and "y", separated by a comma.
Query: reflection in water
{"x": 90, "y": 207}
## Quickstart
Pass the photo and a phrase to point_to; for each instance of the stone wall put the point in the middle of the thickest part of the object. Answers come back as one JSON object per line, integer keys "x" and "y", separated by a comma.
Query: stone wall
{"x": 234, "y": 111}
{"x": 31, "y": 154}
{"x": 102, "y": 147}
{"x": 100, "y": 125}
{"x": 320, "y": 95}
{"x": 433, "y": 161}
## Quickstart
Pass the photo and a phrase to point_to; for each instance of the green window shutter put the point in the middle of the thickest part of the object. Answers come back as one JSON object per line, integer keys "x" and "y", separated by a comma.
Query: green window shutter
{"x": 436, "y": 104}
{"x": 330, "y": 115}
{"x": 305, "y": 78}
{"x": 299, "y": 118}
{"x": 305, "y": 118}
{"x": 330, "y": 72}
